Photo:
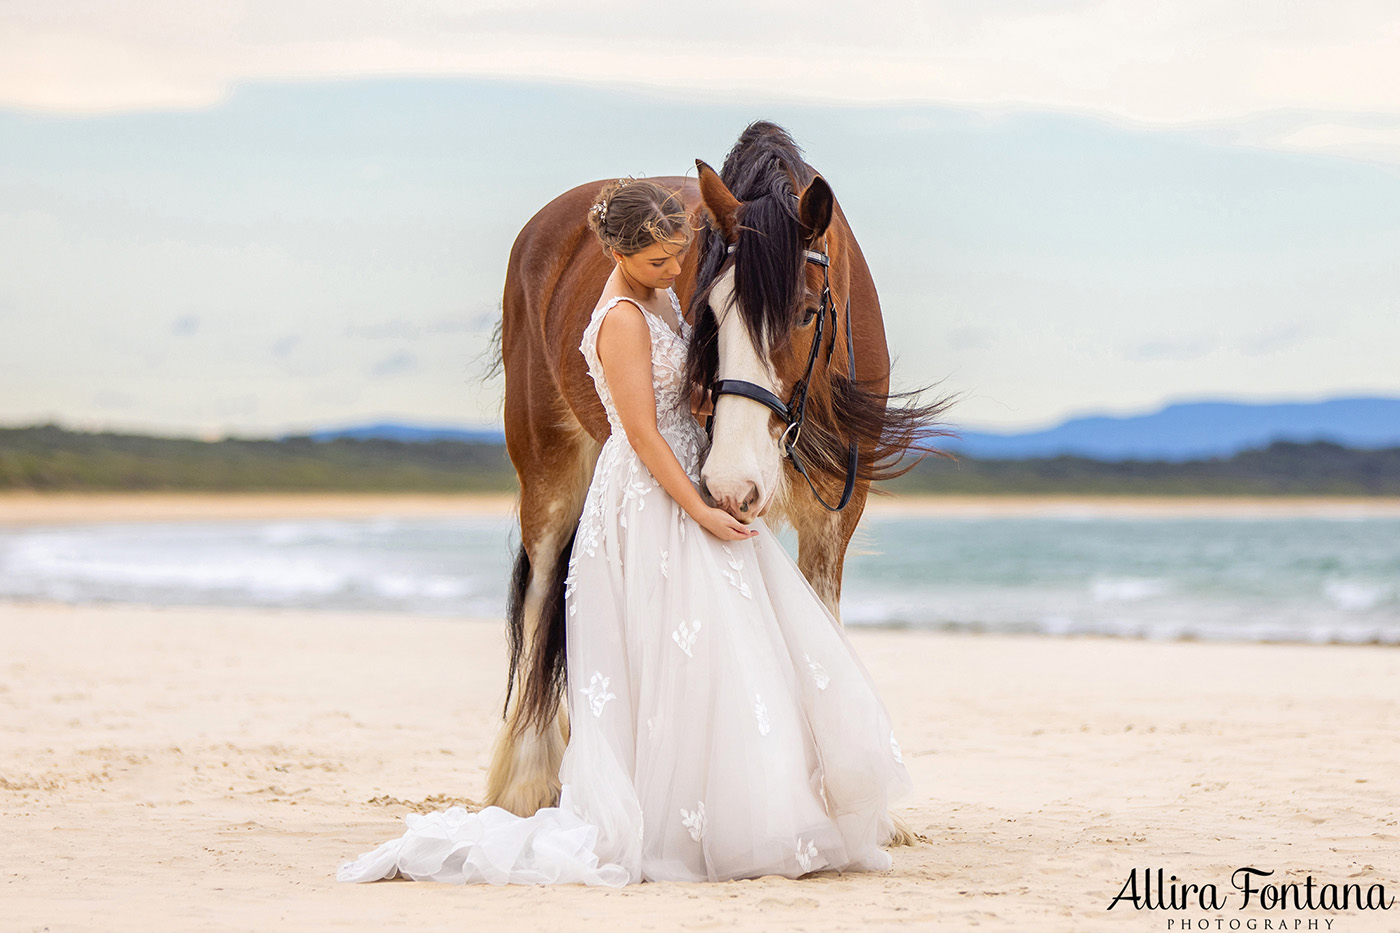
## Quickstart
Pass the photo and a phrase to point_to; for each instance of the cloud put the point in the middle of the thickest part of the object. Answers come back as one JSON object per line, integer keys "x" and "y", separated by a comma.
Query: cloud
{"x": 971, "y": 338}
{"x": 1275, "y": 340}
{"x": 1170, "y": 349}
{"x": 405, "y": 329}
{"x": 109, "y": 399}
{"x": 397, "y": 329}
{"x": 1330, "y": 68}
{"x": 395, "y": 364}
{"x": 241, "y": 406}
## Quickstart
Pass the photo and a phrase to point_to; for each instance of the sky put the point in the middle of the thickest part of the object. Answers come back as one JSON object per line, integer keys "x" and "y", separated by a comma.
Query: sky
{"x": 250, "y": 218}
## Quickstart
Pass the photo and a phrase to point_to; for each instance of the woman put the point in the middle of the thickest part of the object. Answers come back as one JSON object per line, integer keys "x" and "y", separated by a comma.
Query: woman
{"x": 721, "y": 726}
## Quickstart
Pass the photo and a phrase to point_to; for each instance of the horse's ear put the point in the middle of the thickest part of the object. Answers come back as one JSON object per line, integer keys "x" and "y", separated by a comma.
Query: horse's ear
{"x": 814, "y": 211}
{"x": 719, "y": 202}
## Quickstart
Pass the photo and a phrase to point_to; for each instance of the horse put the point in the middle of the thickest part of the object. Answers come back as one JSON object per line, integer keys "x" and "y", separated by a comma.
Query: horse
{"x": 775, "y": 262}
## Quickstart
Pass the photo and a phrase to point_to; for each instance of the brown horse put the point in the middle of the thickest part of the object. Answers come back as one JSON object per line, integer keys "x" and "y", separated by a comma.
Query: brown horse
{"x": 753, "y": 298}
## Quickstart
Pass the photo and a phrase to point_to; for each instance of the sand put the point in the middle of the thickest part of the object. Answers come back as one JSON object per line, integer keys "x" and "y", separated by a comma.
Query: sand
{"x": 30, "y": 508}
{"x": 209, "y": 769}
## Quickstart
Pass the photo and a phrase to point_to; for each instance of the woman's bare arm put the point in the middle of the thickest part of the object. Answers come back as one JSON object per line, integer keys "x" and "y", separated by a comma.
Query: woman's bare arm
{"x": 624, "y": 350}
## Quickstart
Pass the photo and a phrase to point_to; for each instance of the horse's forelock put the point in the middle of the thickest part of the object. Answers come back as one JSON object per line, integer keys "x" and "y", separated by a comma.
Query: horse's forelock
{"x": 768, "y": 267}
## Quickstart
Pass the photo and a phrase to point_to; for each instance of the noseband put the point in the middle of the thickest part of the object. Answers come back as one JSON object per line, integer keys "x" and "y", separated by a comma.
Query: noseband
{"x": 795, "y": 410}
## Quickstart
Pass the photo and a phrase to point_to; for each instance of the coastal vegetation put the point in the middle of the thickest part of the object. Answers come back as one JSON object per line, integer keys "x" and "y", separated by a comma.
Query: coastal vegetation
{"x": 52, "y": 458}
{"x": 49, "y": 457}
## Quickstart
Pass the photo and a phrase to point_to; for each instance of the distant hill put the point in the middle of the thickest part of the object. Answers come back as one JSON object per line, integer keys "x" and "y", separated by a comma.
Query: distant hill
{"x": 1281, "y": 469}
{"x": 1197, "y": 430}
{"x": 408, "y": 434}
{"x": 1176, "y": 433}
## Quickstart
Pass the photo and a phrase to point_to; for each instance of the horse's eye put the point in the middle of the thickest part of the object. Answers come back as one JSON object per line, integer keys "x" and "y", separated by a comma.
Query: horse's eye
{"x": 808, "y": 315}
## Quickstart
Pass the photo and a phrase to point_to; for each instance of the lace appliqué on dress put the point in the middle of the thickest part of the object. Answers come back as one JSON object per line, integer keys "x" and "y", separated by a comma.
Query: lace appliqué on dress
{"x": 806, "y": 851}
{"x": 684, "y": 636}
{"x": 681, "y": 518}
{"x": 694, "y": 820}
{"x": 570, "y": 582}
{"x": 636, "y": 488}
{"x": 590, "y": 526}
{"x": 735, "y": 574}
{"x": 598, "y": 693}
{"x": 760, "y": 713}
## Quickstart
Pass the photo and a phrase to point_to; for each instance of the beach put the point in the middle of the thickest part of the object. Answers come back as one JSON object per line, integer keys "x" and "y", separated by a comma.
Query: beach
{"x": 209, "y": 768}
{"x": 33, "y": 508}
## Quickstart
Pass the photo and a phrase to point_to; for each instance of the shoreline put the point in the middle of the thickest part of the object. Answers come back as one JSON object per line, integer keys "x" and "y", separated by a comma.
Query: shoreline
{"x": 908, "y": 629}
{"x": 32, "y": 508}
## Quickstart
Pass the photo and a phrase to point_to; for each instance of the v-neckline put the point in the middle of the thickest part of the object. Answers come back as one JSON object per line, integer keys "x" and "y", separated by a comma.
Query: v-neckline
{"x": 678, "y": 334}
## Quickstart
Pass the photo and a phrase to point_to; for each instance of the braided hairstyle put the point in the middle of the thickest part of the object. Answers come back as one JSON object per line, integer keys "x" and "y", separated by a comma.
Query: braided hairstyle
{"x": 631, "y": 214}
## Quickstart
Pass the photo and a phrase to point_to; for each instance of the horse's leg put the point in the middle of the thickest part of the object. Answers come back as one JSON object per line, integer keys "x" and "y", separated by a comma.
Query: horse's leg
{"x": 524, "y": 770}
{"x": 822, "y": 539}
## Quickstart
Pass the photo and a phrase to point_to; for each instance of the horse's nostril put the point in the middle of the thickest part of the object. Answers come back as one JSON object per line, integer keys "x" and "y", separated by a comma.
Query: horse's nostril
{"x": 751, "y": 499}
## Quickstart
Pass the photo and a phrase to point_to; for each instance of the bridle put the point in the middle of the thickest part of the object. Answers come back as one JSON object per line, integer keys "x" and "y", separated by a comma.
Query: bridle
{"x": 795, "y": 410}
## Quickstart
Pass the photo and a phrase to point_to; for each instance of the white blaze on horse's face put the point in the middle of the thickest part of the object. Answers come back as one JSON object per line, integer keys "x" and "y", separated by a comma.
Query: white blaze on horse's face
{"x": 744, "y": 465}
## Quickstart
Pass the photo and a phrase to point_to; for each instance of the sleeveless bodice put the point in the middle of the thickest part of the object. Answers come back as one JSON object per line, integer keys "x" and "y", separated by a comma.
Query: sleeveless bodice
{"x": 668, "y": 352}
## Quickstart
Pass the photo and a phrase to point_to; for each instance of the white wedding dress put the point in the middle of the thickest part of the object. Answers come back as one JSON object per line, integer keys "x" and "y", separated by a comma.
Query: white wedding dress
{"x": 721, "y": 726}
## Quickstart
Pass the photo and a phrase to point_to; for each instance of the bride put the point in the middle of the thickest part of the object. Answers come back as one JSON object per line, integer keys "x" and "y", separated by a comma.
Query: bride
{"x": 721, "y": 726}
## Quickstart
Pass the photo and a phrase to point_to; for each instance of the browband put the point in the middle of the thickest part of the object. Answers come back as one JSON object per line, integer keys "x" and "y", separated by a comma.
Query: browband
{"x": 811, "y": 255}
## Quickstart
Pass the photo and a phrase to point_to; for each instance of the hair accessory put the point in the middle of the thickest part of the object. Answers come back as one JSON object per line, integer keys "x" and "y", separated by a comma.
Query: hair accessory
{"x": 601, "y": 208}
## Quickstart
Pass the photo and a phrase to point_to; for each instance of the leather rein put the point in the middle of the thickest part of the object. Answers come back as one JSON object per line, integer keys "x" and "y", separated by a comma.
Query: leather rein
{"x": 794, "y": 411}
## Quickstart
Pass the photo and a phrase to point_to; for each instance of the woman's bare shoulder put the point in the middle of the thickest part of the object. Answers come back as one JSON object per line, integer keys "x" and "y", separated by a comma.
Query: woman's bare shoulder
{"x": 623, "y": 325}
{"x": 614, "y": 299}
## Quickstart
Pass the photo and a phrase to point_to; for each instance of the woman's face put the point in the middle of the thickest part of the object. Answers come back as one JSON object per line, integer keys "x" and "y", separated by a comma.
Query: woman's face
{"x": 656, "y": 266}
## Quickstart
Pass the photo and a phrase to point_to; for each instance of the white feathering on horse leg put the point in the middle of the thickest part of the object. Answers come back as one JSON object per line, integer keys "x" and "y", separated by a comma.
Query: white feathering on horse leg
{"x": 524, "y": 772}
{"x": 903, "y": 834}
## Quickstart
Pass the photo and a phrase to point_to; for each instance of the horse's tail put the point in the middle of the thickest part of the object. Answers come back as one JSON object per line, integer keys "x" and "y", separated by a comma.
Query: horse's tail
{"x": 539, "y": 659}
{"x": 515, "y": 619}
{"x": 493, "y": 359}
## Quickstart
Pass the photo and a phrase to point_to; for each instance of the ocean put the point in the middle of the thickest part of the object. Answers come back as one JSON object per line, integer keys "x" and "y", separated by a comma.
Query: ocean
{"x": 1276, "y": 578}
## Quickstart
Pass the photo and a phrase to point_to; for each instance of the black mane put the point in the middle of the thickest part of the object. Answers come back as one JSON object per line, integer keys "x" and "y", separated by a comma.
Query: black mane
{"x": 765, "y": 171}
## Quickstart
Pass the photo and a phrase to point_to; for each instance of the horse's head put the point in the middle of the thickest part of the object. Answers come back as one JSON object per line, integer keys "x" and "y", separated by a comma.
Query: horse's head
{"x": 764, "y": 281}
